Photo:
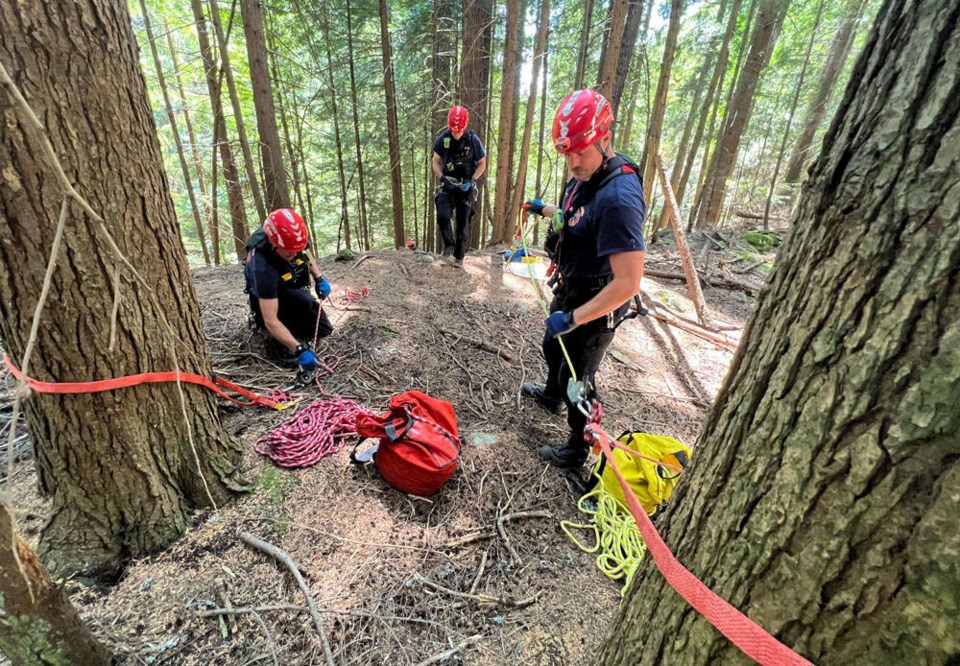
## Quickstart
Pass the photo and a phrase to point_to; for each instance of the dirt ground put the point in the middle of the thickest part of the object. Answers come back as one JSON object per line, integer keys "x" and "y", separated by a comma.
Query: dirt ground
{"x": 389, "y": 586}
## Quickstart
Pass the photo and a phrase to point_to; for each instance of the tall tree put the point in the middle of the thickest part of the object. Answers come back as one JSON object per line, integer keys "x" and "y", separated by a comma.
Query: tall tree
{"x": 655, "y": 126}
{"x": 344, "y": 208}
{"x": 475, "y": 84}
{"x": 227, "y": 69}
{"x": 440, "y": 81}
{"x": 506, "y": 126}
{"x": 121, "y": 466}
{"x": 362, "y": 203}
{"x": 824, "y": 498}
{"x": 238, "y": 214}
{"x": 40, "y": 624}
{"x": 829, "y": 77}
{"x": 274, "y": 173}
{"x": 628, "y": 46}
{"x": 393, "y": 130}
{"x": 172, "y": 118}
{"x": 770, "y": 16}
{"x": 612, "y": 45}
{"x": 584, "y": 46}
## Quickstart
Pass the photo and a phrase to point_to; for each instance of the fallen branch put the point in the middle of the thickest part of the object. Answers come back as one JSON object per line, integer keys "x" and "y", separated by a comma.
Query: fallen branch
{"x": 443, "y": 656}
{"x": 481, "y": 598}
{"x": 244, "y": 610}
{"x": 718, "y": 340}
{"x": 487, "y": 534}
{"x": 485, "y": 346}
{"x": 709, "y": 281}
{"x": 749, "y": 268}
{"x": 278, "y": 554}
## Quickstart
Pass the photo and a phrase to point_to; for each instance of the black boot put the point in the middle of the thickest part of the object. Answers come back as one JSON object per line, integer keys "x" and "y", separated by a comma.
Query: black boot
{"x": 564, "y": 456}
{"x": 553, "y": 405}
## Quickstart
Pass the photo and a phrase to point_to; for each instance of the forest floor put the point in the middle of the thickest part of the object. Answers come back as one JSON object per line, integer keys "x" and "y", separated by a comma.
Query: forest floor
{"x": 374, "y": 558}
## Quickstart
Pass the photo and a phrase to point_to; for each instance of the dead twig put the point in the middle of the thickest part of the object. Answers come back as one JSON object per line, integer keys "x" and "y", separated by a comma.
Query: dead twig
{"x": 480, "y": 344}
{"x": 487, "y": 534}
{"x": 481, "y": 598}
{"x": 244, "y": 610}
{"x": 278, "y": 554}
{"x": 443, "y": 656}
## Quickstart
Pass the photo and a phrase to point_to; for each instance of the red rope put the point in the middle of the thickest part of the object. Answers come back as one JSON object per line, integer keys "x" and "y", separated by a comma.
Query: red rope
{"x": 743, "y": 632}
{"x": 321, "y": 429}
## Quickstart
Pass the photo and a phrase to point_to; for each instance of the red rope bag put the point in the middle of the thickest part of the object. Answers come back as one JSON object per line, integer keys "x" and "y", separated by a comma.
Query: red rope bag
{"x": 419, "y": 442}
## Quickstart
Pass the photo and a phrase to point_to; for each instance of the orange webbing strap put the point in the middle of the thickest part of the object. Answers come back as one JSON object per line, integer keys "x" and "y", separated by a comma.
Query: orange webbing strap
{"x": 743, "y": 632}
{"x": 147, "y": 378}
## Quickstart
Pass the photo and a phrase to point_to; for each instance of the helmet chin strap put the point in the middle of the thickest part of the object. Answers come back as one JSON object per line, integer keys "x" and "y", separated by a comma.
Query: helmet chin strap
{"x": 603, "y": 152}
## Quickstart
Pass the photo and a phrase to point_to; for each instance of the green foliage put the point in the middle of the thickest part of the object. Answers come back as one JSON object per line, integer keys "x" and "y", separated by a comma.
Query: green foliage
{"x": 272, "y": 485}
{"x": 764, "y": 242}
{"x": 26, "y": 640}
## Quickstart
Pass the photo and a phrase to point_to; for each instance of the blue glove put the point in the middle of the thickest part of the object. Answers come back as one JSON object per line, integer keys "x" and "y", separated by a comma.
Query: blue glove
{"x": 534, "y": 206}
{"x": 323, "y": 287}
{"x": 465, "y": 187}
{"x": 307, "y": 361}
{"x": 560, "y": 323}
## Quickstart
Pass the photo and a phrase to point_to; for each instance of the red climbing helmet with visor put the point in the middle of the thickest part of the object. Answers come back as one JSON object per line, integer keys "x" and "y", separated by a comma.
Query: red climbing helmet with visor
{"x": 582, "y": 118}
{"x": 458, "y": 118}
{"x": 286, "y": 230}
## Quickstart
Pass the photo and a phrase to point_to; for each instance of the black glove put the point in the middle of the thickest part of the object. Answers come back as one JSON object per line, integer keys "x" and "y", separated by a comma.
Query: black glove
{"x": 534, "y": 206}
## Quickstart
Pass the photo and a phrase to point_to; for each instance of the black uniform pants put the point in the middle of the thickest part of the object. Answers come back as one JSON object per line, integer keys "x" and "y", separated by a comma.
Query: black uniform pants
{"x": 586, "y": 345}
{"x": 450, "y": 203}
{"x": 297, "y": 310}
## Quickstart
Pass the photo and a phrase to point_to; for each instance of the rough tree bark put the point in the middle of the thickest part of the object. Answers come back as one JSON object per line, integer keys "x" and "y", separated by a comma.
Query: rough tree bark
{"x": 770, "y": 18}
{"x": 506, "y": 127}
{"x": 393, "y": 131}
{"x": 172, "y": 118}
{"x": 836, "y": 59}
{"x": 237, "y": 110}
{"x": 824, "y": 496}
{"x": 38, "y": 624}
{"x": 274, "y": 174}
{"x": 611, "y": 50}
{"x": 475, "y": 86}
{"x": 119, "y": 465}
{"x": 629, "y": 44}
{"x": 238, "y": 214}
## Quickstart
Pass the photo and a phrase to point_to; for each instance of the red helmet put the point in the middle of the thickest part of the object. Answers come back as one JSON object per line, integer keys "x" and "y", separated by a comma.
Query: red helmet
{"x": 286, "y": 230}
{"x": 458, "y": 118}
{"x": 582, "y": 119}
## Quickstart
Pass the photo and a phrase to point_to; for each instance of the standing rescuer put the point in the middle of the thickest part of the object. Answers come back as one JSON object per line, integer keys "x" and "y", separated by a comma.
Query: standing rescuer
{"x": 596, "y": 242}
{"x": 278, "y": 272}
{"x": 458, "y": 162}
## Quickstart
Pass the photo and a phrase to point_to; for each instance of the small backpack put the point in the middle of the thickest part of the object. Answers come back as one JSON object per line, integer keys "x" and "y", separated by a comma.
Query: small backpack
{"x": 419, "y": 442}
{"x": 653, "y": 484}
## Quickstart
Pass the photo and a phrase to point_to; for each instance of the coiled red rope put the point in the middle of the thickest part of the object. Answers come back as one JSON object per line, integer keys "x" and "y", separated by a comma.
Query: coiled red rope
{"x": 319, "y": 430}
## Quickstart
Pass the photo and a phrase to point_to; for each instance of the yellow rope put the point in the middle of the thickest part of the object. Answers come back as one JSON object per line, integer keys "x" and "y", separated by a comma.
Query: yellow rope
{"x": 617, "y": 538}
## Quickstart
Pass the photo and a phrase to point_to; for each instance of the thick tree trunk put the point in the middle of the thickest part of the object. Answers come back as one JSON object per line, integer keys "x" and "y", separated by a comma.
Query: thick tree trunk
{"x": 194, "y": 147}
{"x": 627, "y": 48}
{"x": 120, "y": 465}
{"x": 770, "y": 18}
{"x": 393, "y": 131}
{"x": 660, "y": 100}
{"x": 611, "y": 52}
{"x": 475, "y": 86}
{"x": 40, "y": 626}
{"x": 824, "y": 495}
{"x": 584, "y": 47}
{"x": 503, "y": 194}
{"x": 237, "y": 111}
{"x": 362, "y": 203}
{"x": 238, "y": 214}
{"x": 274, "y": 174}
{"x": 829, "y": 79}
{"x": 172, "y": 117}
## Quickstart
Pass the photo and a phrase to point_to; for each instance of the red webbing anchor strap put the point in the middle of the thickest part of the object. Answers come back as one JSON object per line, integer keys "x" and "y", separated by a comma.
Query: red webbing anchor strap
{"x": 146, "y": 378}
{"x": 743, "y": 632}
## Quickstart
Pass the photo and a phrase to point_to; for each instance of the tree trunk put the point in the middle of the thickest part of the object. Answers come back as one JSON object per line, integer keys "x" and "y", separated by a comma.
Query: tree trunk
{"x": 584, "y": 48}
{"x": 393, "y": 131}
{"x": 238, "y": 214}
{"x": 214, "y": 227}
{"x": 829, "y": 77}
{"x": 769, "y": 21}
{"x": 237, "y": 111}
{"x": 283, "y": 114}
{"x": 614, "y": 43}
{"x": 40, "y": 624}
{"x": 172, "y": 117}
{"x": 660, "y": 100}
{"x": 362, "y": 203}
{"x": 503, "y": 194}
{"x": 192, "y": 136}
{"x": 440, "y": 71}
{"x": 824, "y": 496}
{"x": 630, "y": 33}
{"x": 121, "y": 465}
{"x": 793, "y": 110}
{"x": 543, "y": 22}
{"x": 475, "y": 87}
{"x": 274, "y": 174}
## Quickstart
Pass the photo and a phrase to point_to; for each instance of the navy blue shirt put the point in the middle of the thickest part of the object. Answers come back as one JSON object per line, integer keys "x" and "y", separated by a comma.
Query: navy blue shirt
{"x": 459, "y": 157}
{"x": 611, "y": 222}
{"x": 267, "y": 275}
